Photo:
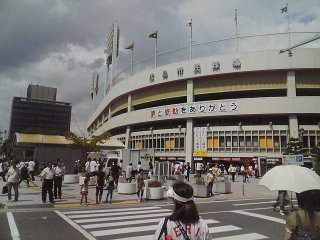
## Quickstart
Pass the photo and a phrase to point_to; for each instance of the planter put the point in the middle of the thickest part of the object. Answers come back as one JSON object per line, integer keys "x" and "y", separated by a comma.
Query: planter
{"x": 71, "y": 178}
{"x": 126, "y": 188}
{"x": 154, "y": 193}
{"x": 200, "y": 190}
{"x": 168, "y": 183}
{"x": 92, "y": 181}
{"x": 223, "y": 187}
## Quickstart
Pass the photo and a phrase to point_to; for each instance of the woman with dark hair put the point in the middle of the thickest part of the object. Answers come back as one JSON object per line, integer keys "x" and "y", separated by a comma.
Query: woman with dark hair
{"x": 184, "y": 223}
{"x": 306, "y": 220}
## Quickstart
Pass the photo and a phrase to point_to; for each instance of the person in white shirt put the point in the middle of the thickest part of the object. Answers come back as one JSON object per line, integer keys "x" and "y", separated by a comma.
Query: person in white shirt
{"x": 185, "y": 220}
{"x": 93, "y": 165}
{"x": 2, "y": 173}
{"x": 87, "y": 166}
{"x": 128, "y": 172}
{"x": 59, "y": 172}
{"x": 13, "y": 177}
{"x": 32, "y": 165}
{"x": 199, "y": 167}
{"x": 47, "y": 182}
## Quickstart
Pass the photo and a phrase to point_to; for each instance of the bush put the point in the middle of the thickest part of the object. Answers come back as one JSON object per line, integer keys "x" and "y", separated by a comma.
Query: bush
{"x": 200, "y": 181}
{"x": 171, "y": 177}
{"x": 154, "y": 183}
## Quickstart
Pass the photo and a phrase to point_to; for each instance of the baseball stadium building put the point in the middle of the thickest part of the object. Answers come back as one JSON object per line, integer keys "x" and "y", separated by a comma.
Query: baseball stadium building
{"x": 224, "y": 107}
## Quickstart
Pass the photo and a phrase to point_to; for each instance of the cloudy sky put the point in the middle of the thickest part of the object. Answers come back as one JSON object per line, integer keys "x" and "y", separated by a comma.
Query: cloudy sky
{"x": 59, "y": 43}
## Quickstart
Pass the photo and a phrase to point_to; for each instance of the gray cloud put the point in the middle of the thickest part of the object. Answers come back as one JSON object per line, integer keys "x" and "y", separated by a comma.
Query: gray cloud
{"x": 59, "y": 43}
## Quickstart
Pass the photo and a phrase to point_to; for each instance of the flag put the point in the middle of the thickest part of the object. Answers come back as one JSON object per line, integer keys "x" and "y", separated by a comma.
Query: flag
{"x": 189, "y": 24}
{"x": 284, "y": 9}
{"x": 153, "y": 35}
{"x": 131, "y": 46}
{"x": 236, "y": 17}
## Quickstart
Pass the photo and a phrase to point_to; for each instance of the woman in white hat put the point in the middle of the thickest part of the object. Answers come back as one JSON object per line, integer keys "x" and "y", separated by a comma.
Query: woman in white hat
{"x": 184, "y": 223}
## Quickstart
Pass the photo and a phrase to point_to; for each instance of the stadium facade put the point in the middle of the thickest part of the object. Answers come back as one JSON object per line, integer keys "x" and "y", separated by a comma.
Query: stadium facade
{"x": 231, "y": 107}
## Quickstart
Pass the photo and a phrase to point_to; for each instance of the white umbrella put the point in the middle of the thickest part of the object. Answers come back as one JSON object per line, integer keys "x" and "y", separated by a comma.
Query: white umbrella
{"x": 292, "y": 178}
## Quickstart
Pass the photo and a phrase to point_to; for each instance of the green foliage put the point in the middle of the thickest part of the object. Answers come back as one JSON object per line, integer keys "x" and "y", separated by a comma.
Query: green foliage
{"x": 86, "y": 144}
{"x": 172, "y": 177}
{"x": 315, "y": 153}
{"x": 1, "y": 205}
{"x": 154, "y": 183}
{"x": 200, "y": 181}
{"x": 295, "y": 147}
{"x": 6, "y": 147}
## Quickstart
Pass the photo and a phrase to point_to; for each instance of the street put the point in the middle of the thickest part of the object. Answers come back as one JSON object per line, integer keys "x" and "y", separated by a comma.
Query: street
{"x": 247, "y": 219}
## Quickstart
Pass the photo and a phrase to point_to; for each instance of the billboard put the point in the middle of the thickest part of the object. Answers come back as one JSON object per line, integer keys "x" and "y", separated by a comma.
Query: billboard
{"x": 292, "y": 160}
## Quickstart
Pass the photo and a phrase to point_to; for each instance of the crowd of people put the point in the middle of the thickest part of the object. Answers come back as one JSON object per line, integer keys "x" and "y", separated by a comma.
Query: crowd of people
{"x": 15, "y": 172}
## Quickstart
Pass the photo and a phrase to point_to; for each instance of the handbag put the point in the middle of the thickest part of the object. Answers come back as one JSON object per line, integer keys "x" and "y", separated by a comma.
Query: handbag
{"x": 5, "y": 189}
{"x": 164, "y": 228}
{"x": 182, "y": 231}
{"x": 299, "y": 232}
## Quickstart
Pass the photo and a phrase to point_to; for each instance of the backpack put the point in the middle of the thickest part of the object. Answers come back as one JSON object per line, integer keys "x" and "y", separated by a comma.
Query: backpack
{"x": 299, "y": 232}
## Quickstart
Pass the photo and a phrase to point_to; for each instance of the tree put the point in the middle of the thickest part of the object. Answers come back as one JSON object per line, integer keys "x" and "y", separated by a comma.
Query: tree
{"x": 6, "y": 147}
{"x": 86, "y": 144}
{"x": 315, "y": 153}
{"x": 295, "y": 147}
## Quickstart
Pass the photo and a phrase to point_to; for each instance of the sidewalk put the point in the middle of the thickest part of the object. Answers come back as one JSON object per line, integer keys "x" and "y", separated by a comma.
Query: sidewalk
{"x": 31, "y": 197}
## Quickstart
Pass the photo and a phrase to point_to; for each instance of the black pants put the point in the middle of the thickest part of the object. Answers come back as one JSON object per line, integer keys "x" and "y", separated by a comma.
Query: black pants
{"x": 233, "y": 174}
{"x": 47, "y": 185}
{"x": 57, "y": 186}
{"x": 32, "y": 175}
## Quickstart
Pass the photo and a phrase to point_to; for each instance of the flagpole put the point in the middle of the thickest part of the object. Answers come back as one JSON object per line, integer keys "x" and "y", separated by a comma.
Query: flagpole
{"x": 236, "y": 20}
{"x": 191, "y": 39}
{"x": 155, "y": 51}
{"x": 131, "y": 61}
{"x": 287, "y": 15}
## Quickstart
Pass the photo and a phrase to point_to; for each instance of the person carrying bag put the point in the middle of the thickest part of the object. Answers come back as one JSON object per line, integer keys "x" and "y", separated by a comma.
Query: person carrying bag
{"x": 184, "y": 223}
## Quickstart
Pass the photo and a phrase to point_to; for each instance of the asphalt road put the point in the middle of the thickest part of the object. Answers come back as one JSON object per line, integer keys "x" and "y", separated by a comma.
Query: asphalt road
{"x": 228, "y": 220}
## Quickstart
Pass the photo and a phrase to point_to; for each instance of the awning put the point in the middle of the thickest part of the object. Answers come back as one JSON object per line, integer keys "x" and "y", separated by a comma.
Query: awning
{"x": 22, "y": 139}
{"x": 111, "y": 143}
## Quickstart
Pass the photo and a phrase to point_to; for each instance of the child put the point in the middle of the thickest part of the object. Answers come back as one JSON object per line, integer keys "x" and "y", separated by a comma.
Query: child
{"x": 84, "y": 189}
{"x": 110, "y": 186}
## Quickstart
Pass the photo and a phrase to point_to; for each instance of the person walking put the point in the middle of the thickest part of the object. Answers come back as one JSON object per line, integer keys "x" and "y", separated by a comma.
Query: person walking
{"x": 232, "y": 171}
{"x": 281, "y": 201}
{"x": 210, "y": 181}
{"x": 244, "y": 173}
{"x": 188, "y": 168}
{"x": 59, "y": 172}
{"x": 47, "y": 182}
{"x": 2, "y": 172}
{"x": 25, "y": 174}
{"x": 32, "y": 166}
{"x": 129, "y": 172}
{"x": 305, "y": 221}
{"x": 13, "y": 177}
{"x": 140, "y": 185}
{"x": 84, "y": 189}
{"x": 110, "y": 186}
{"x": 184, "y": 222}
{"x": 101, "y": 176}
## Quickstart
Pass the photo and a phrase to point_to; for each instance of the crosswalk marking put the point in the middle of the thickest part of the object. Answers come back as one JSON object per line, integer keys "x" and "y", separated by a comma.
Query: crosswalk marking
{"x": 273, "y": 219}
{"x": 250, "y": 236}
{"x": 117, "y": 218}
{"x": 116, "y": 214}
{"x": 225, "y": 228}
{"x": 109, "y": 210}
{"x": 120, "y": 223}
{"x": 113, "y": 224}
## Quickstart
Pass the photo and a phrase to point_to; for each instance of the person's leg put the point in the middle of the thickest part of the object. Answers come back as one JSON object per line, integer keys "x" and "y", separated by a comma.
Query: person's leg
{"x": 59, "y": 187}
{"x": 111, "y": 192}
{"x": 9, "y": 190}
{"x": 50, "y": 186}
{"x": 101, "y": 193}
{"x": 55, "y": 187}
{"x": 44, "y": 191}
{"x": 86, "y": 199}
{"x": 16, "y": 191}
